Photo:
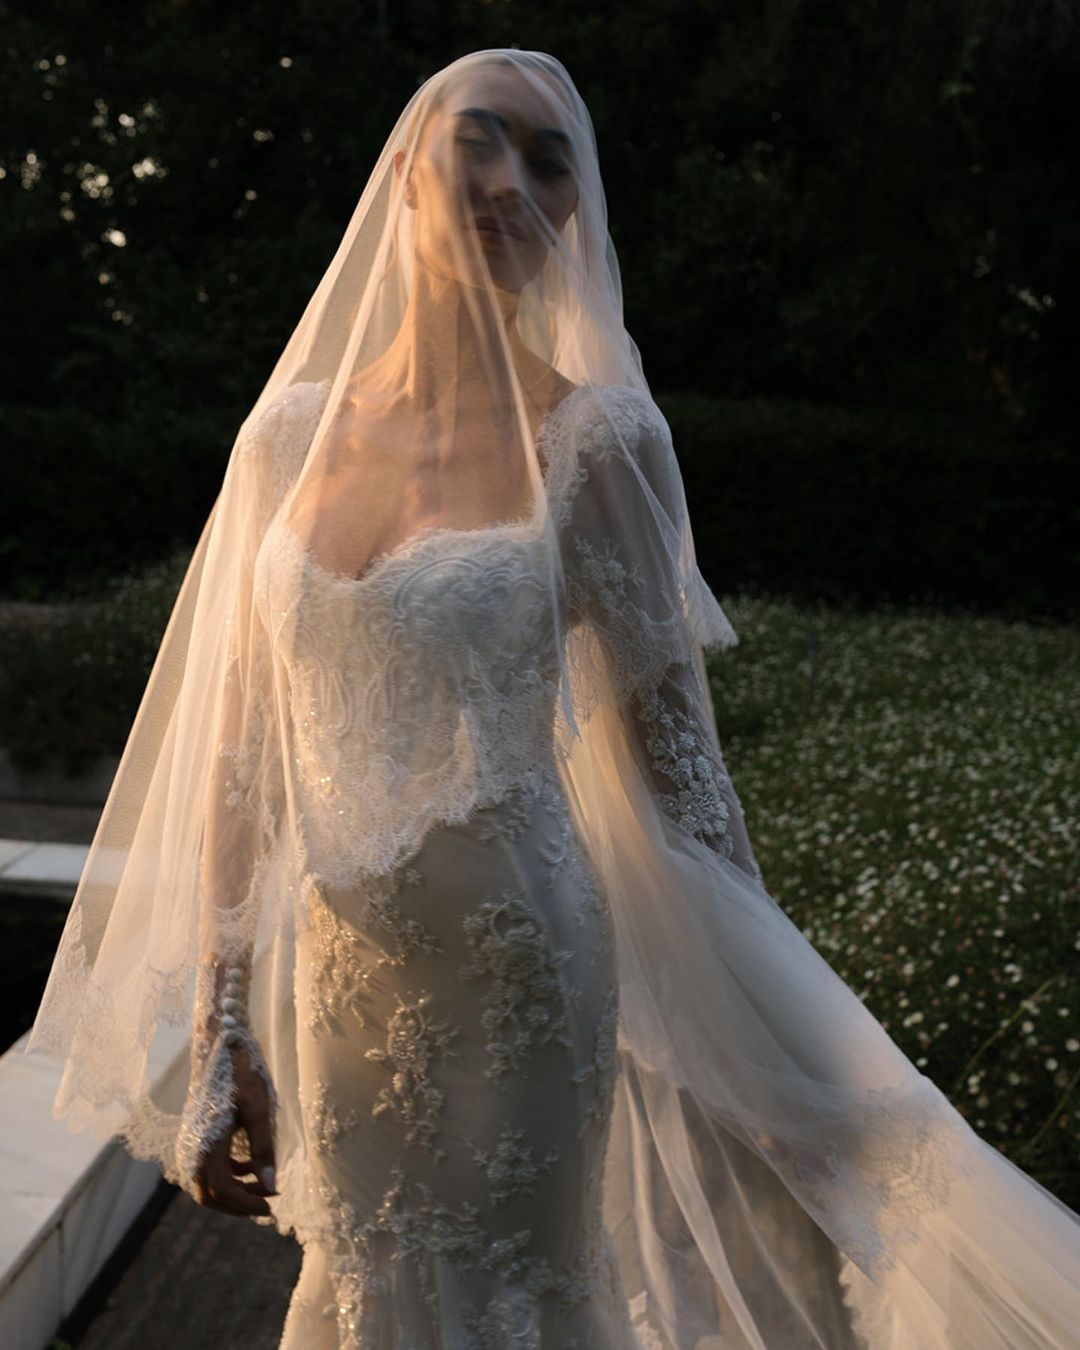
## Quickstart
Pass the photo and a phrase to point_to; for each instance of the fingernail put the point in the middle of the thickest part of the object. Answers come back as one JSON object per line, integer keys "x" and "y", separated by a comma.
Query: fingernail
{"x": 266, "y": 1175}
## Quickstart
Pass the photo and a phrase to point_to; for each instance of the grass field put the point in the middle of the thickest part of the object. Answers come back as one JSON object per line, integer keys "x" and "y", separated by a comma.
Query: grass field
{"x": 911, "y": 782}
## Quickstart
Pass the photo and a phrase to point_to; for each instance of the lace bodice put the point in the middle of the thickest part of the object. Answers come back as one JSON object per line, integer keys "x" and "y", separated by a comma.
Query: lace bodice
{"x": 428, "y": 685}
{"x": 419, "y": 690}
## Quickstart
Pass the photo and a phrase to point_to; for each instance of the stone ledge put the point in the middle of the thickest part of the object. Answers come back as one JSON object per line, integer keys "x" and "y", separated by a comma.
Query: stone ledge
{"x": 68, "y": 1199}
{"x": 52, "y": 869}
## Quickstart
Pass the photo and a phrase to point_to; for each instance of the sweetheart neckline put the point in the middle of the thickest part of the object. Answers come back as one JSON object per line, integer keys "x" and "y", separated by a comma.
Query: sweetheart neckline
{"x": 433, "y": 531}
{"x": 402, "y": 550}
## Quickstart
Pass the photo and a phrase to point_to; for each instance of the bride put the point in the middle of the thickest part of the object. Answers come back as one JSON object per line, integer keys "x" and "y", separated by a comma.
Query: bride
{"x": 424, "y": 864}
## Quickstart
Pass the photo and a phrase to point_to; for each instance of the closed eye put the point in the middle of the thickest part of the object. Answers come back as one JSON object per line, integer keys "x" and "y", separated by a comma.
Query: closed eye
{"x": 551, "y": 168}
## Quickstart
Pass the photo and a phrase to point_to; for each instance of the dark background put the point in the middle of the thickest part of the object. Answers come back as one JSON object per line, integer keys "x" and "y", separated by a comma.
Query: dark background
{"x": 849, "y": 239}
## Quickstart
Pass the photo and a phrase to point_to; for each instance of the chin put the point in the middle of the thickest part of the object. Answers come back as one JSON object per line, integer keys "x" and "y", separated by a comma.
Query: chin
{"x": 493, "y": 276}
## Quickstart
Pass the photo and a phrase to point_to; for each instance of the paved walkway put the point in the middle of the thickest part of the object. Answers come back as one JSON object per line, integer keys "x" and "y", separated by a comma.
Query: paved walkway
{"x": 201, "y": 1280}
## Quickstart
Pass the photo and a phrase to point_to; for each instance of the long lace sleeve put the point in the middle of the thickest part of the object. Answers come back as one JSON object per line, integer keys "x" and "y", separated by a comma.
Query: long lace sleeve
{"x": 246, "y": 792}
{"x": 670, "y": 723}
{"x": 635, "y": 591}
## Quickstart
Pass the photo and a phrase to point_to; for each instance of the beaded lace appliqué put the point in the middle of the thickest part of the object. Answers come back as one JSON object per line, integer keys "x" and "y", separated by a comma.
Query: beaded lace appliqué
{"x": 415, "y": 1039}
{"x": 326, "y": 1122}
{"x": 512, "y": 1168}
{"x": 683, "y": 754}
{"x": 523, "y": 1004}
{"x": 603, "y": 1070}
{"x": 423, "y": 1228}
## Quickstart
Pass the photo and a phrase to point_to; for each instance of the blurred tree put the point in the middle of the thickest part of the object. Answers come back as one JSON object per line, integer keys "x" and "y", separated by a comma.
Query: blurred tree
{"x": 855, "y": 204}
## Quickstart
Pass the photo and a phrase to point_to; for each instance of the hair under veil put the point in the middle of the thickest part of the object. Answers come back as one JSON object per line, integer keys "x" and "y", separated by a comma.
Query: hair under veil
{"x": 776, "y": 1168}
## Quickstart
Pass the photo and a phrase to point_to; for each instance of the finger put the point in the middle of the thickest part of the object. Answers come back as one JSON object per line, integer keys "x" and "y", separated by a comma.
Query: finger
{"x": 252, "y": 1187}
{"x": 202, "y": 1183}
{"x": 246, "y": 1168}
{"x": 256, "y": 1120}
{"x": 234, "y": 1211}
{"x": 238, "y": 1203}
{"x": 226, "y": 1191}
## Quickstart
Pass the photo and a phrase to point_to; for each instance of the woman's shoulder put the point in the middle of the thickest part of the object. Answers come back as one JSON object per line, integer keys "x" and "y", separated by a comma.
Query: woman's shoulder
{"x": 286, "y": 408}
{"x": 280, "y": 428}
{"x": 599, "y": 427}
{"x": 274, "y": 441}
{"x": 613, "y": 419}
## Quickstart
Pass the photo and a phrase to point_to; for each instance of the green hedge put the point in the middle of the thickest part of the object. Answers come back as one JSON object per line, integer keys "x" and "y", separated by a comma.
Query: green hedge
{"x": 845, "y": 505}
{"x": 71, "y": 679}
{"x": 861, "y": 506}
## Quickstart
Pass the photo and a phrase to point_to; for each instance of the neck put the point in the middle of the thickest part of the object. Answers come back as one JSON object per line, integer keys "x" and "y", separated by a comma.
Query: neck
{"x": 453, "y": 337}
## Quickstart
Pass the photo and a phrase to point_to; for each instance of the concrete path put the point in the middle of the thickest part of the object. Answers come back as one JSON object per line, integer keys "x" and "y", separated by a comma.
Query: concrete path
{"x": 201, "y": 1280}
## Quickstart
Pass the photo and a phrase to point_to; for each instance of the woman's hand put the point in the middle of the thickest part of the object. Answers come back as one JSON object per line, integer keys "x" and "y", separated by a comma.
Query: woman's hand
{"x": 217, "y": 1177}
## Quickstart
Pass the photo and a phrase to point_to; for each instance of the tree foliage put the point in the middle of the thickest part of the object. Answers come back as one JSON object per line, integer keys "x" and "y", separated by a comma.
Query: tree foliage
{"x": 860, "y": 204}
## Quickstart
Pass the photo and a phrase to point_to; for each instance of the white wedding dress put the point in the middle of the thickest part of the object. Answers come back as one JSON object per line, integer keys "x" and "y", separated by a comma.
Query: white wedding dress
{"x": 500, "y": 1146}
{"x": 457, "y": 1007}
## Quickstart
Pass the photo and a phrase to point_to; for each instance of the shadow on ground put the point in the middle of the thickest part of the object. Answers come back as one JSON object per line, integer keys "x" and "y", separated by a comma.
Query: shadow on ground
{"x": 200, "y": 1279}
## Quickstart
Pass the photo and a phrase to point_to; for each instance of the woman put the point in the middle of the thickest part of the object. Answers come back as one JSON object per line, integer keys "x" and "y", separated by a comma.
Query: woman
{"x": 425, "y": 840}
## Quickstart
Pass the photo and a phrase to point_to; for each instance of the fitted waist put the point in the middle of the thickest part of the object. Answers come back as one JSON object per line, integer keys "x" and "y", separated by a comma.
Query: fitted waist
{"x": 365, "y": 829}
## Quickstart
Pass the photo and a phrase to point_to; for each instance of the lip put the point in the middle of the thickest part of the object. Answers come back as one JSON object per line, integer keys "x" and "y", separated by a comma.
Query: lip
{"x": 489, "y": 225}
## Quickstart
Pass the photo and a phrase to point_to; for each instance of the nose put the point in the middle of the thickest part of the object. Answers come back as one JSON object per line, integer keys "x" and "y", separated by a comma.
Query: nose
{"x": 506, "y": 184}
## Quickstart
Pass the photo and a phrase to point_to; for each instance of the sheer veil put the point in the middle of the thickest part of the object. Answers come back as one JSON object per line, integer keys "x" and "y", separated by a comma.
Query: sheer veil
{"x": 778, "y": 1173}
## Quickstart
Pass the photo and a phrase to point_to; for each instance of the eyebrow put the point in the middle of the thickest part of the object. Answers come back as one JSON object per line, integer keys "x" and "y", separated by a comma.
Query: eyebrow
{"x": 486, "y": 115}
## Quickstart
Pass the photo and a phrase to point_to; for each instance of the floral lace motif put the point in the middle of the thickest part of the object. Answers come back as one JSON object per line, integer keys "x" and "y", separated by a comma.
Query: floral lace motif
{"x": 893, "y": 1159}
{"x": 511, "y": 1167}
{"x": 409, "y": 935}
{"x": 324, "y": 1120}
{"x": 341, "y": 964}
{"x": 415, "y": 1039}
{"x": 345, "y": 959}
{"x": 424, "y": 1229}
{"x": 606, "y": 577}
{"x": 424, "y": 1226}
{"x": 511, "y": 816}
{"x": 603, "y": 1070}
{"x": 524, "y": 1001}
{"x": 684, "y": 755}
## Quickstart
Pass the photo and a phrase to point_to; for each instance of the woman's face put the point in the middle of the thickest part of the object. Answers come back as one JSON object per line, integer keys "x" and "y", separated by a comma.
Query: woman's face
{"x": 493, "y": 179}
